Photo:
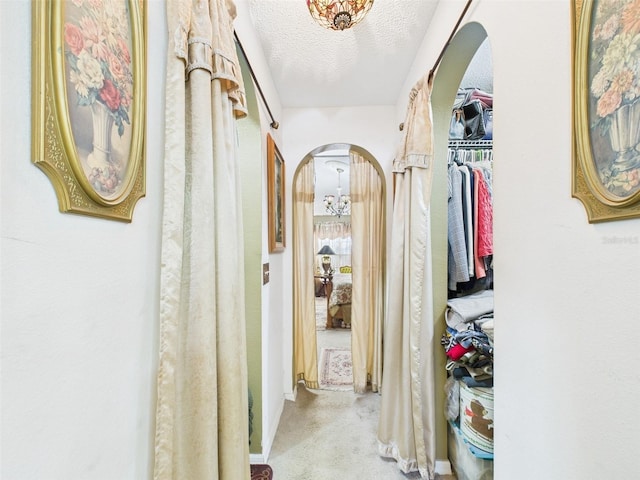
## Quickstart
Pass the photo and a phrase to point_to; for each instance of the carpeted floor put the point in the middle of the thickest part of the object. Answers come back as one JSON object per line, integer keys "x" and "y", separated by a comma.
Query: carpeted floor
{"x": 321, "y": 313}
{"x": 329, "y": 435}
{"x": 321, "y": 316}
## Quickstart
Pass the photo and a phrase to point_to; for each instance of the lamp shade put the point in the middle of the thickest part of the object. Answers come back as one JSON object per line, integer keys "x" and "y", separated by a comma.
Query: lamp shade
{"x": 326, "y": 250}
{"x": 338, "y": 14}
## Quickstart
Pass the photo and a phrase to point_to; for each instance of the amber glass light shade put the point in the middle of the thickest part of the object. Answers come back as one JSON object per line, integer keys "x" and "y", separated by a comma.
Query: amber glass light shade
{"x": 338, "y": 14}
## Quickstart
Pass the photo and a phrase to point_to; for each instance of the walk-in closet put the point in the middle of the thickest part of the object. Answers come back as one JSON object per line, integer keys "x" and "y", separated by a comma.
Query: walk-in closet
{"x": 468, "y": 339}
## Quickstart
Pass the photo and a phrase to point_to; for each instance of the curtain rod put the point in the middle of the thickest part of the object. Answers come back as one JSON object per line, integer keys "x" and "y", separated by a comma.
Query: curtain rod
{"x": 453, "y": 32}
{"x": 273, "y": 123}
{"x": 446, "y": 45}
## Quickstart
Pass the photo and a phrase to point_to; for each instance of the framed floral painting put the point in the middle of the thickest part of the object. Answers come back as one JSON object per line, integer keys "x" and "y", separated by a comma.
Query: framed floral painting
{"x": 275, "y": 191}
{"x": 89, "y": 88}
{"x": 606, "y": 104}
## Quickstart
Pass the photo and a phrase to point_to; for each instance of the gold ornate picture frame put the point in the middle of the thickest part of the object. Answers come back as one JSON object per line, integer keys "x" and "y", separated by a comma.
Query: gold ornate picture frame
{"x": 88, "y": 103}
{"x": 606, "y": 108}
{"x": 276, "y": 194}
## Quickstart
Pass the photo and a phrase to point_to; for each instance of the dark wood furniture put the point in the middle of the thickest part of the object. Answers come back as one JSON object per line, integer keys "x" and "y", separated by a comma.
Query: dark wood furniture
{"x": 326, "y": 279}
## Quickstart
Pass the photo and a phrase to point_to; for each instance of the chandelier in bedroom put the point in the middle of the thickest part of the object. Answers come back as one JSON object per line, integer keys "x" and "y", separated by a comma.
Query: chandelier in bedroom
{"x": 341, "y": 206}
{"x": 338, "y": 14}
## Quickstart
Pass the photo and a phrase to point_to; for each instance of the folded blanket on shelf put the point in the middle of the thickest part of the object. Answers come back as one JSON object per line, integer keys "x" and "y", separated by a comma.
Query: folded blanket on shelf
{"x": 462, "y": 310}
{"x": 487, "y": 327}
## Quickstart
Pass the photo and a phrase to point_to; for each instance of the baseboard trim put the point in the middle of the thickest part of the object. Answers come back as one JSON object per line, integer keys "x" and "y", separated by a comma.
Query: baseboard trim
{"x": 292, "y": 396}
{"x": 267, "y": 441}
{"x": 443, "y": 467}
{"x": 257, "y": 459}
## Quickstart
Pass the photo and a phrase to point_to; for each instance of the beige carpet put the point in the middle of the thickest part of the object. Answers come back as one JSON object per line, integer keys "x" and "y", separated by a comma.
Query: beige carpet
{"x": 329, "y": 435}
{"x": 321, "y": 313}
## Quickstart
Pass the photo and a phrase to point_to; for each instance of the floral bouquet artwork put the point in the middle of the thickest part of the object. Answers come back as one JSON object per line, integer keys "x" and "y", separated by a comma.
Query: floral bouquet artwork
{"x": 97, "y": 50}
{"x": 615, "y": 91}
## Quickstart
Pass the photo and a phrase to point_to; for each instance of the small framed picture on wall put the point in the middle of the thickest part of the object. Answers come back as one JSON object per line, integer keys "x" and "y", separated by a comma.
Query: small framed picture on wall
{"x": 276, "y": 193}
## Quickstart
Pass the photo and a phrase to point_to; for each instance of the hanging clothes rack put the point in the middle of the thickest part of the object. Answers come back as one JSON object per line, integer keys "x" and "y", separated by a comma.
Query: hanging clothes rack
{"x": 484, "y": 148}
{"x": 471, "y": 144}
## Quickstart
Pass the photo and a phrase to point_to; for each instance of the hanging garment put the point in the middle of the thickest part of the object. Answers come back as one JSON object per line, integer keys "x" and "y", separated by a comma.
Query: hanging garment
{"x": 202, "y": 422}
{"x": 406, "y": 430}
{"x": 467, "y": 205}
{"x": 478, "y": 264}
{"x": 485, "y": 216}
{"x": 473, "y": 165}
{"x": 458, "y": 265}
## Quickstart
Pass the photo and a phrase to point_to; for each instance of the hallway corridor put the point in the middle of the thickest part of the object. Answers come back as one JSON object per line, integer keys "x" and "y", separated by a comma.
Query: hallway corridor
{"x": 327, "y": 435}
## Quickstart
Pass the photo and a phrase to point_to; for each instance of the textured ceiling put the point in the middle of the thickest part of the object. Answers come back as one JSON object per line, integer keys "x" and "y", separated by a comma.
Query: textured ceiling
{"x": 312, "y": 66}
{"x": 365, "y": 65}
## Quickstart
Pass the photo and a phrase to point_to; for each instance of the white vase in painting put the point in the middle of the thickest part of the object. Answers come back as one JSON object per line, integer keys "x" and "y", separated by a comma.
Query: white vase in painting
{"x": 624, "y": 133}
{"x": 102, "y": 121}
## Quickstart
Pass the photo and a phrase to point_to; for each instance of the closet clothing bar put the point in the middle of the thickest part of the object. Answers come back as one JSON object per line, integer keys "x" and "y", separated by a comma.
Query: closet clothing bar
{"x": 273, "y": 123}
{"x": 473, "y": 144}
{"x": 463, "y": 151}
{"x": 464, "y": 156}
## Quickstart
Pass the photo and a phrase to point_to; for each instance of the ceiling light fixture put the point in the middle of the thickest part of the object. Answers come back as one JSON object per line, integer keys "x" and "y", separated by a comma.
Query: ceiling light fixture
{"x": 338, "y": 14}
{"x": 340, "y": 207}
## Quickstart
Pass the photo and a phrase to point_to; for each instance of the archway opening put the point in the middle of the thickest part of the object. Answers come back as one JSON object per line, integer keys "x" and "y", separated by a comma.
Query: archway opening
{"x": 357, "y": 260}
{"x": 456, "y": 71}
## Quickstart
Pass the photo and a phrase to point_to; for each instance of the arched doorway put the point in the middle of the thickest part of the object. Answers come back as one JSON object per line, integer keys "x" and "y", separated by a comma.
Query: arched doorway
{"x": 366, "y": 187}
{"x": 453, "y": 72}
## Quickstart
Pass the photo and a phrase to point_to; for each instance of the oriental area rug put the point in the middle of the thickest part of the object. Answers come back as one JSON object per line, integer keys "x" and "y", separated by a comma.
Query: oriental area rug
{"x": 261, "y": 472}
{"x": 336, "y": 369}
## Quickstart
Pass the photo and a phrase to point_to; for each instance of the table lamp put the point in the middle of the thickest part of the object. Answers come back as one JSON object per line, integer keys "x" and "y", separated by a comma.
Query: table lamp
{"x": 325, "y": 251}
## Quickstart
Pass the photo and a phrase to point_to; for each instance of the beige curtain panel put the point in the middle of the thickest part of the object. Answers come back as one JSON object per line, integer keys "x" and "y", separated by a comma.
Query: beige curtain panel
{"x": 202, "y": 406}
{"x": 407, "y": 417}
{"x": 367, "y": 256}
{"x": 305, "y": 356}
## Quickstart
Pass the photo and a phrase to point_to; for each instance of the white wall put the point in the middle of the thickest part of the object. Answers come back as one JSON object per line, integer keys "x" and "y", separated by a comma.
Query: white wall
{"x": 79, "y": 298}
{"x": 567, "y": 291}
{"x": 273, "y": 370}
{"x": 304, "y": 129}
{"x": 79, "y": 295}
